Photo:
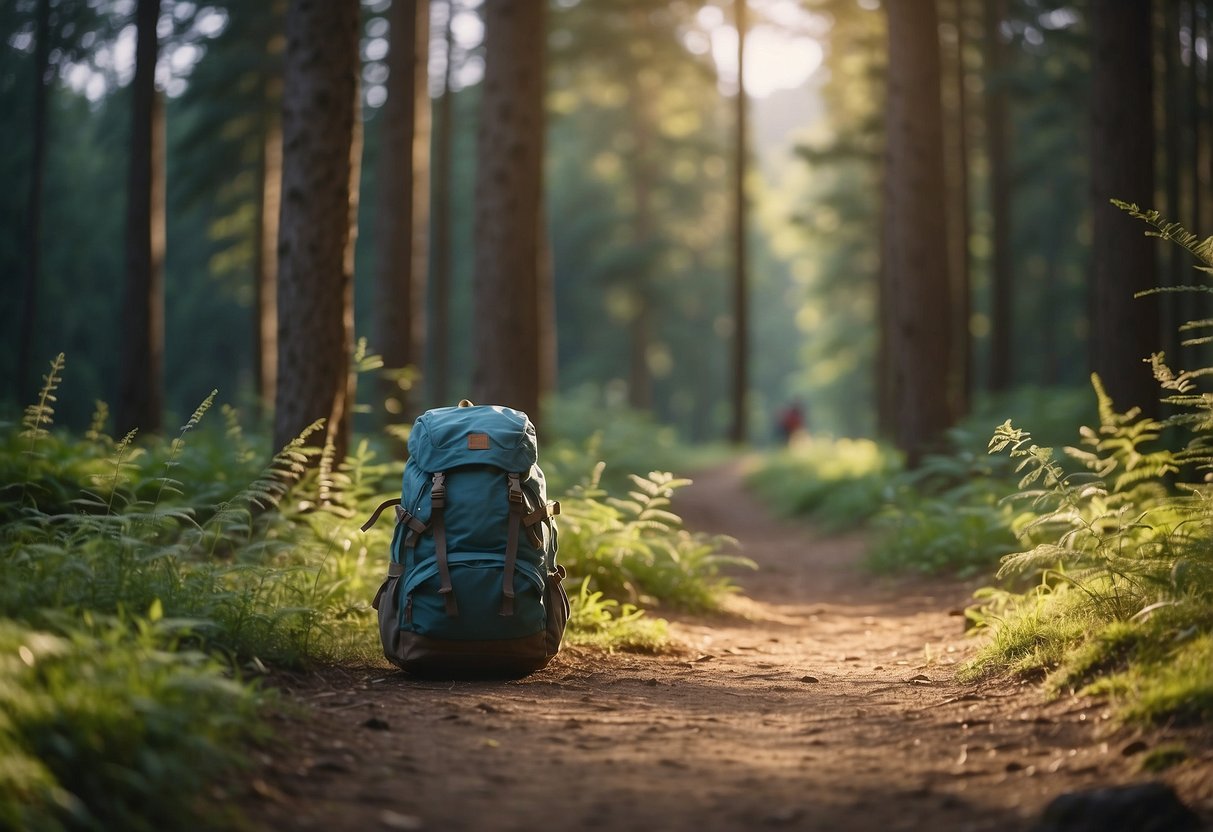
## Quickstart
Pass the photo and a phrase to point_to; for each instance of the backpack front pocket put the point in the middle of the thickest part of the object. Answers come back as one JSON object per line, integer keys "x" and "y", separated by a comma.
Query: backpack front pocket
{"x": 476, "y": 579}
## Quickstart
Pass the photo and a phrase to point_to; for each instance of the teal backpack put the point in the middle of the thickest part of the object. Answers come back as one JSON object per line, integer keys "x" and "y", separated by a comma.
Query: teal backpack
{"x": 473, "y": 585}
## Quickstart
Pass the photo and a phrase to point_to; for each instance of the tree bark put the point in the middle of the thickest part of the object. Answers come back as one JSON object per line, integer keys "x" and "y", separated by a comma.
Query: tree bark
{"x": 316, "y": 232}
{"x": 640, "y": 380}
{"x": 741, "y": 314}
{"x": 141, "y": 391}
{"x": 440, "y": 286}
{"x": 403, "y": 211}
{"x": 1176, "y": 259}
{"x": 265, "y": 290}
{"x": 509, "y": 187}
{"x": 33, "y": 231}
{"x": 916, "y": 246}
{"x": 963, "y": 386}
{"x": 1124, "y": 330}
{"x": 998, "y": 127}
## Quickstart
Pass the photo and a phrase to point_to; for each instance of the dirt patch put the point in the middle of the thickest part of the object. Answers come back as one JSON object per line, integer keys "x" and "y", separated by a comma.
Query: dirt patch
{"x": 826, "y": 699}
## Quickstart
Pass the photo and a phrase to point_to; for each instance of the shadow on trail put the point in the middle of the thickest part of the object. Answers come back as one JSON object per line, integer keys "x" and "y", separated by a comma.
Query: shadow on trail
{"x": 624, "y": 750}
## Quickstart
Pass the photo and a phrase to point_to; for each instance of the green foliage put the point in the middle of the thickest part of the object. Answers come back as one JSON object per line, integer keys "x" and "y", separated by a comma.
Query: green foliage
{"x": 116, "y": 720}
{"x": 581, "y": 428}
{"x": 1119, "y": 537}
{"x": 943, "y": 516}
{"x": 113, "y": 720}
{"x": 109, "y": 725}
{"x": 837, "y": 483}
{"x": 635, "y": 548}
{"x": 598, "y": 621}
{"x": 1159, "y": 759}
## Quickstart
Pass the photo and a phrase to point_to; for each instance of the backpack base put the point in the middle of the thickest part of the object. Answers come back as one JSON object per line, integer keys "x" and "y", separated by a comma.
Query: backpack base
{"x": 498, "y": 658}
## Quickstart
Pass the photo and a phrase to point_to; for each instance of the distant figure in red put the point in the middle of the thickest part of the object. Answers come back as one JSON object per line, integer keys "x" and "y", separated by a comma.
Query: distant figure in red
{"x": 791, "y": 420}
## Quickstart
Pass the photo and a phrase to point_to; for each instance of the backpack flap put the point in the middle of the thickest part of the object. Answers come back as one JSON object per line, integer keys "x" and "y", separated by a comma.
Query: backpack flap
{"x": 449, "y": 437}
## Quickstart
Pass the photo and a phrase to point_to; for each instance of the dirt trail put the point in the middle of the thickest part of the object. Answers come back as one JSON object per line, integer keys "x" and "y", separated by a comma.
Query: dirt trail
{"x": 827, "y": 701}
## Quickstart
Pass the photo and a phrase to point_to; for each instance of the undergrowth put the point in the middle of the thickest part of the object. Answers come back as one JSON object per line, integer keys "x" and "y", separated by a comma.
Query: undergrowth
{"x": 1118, "y": 547}
{"x": 836, "y": 483}
{"x": 146, "y": 584}
{"x": 633, "y": 548}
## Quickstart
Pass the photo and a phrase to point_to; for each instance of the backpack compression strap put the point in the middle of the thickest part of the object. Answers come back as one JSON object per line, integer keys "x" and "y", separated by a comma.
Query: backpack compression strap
{"x": 438, "y": 524}
{"x": 416, "y": 529}
{"x": 367, "y": 525}
{"x": 545, "y": 512}
{"x": 517, "y": 507}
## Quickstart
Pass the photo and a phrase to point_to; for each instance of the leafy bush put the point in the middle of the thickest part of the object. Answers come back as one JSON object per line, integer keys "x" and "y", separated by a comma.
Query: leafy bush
{"x": 598, "y": 621}
{"x": 635, "y": 548}
{"x": 1120, "y": 540}
{"x": 945, "y": 515}
{"x": 110, "y": 726}
{"x": 580, "y": 429}
{"x": 837, "y": 483}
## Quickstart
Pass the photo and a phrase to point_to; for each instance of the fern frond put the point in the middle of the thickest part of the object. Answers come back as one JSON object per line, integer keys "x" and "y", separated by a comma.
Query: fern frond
{"x": 96, "y": 428}
{"x": 179, "y": 442}
{"x": 1171, "y": 231}
{"x": 38, "y": 417}
{"x": 1040, "y": 557}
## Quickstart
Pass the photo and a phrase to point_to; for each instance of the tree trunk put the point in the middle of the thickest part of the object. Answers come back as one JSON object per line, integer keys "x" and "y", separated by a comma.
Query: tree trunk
{"x": 640, "y": 380}
{"x": 316, "y": 232}
{"x": 960, "y": 229}
{"x": 509, "y": 185}
{"x": 1175, "y": 258}
{"x": 440, "y": 287}
{"x": 998, "y": 128}
{"x": 141, "y": 392}
{"x": 1204, "y": 181}
{"x": 1124, "y": 330}
{"x": 33, "y": 231}
{"x": 265, "y": 290}
{"x": 916, "y": 255}
{"x": 1199, "y": 117}
{"x": 741, "y": 314}
{"x": 546, "y": 278}
{"x": 403, "y": 210}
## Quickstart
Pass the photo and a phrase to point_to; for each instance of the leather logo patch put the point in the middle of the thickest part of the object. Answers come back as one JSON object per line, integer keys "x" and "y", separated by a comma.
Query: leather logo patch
{"x": 478, "y": 441}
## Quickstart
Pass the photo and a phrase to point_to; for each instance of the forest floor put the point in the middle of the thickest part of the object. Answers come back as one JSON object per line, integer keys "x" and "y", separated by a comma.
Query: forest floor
{"x": 823, "y": 699}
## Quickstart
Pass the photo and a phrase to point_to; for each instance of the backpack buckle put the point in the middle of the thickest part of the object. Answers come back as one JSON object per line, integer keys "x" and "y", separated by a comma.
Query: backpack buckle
{"x": 438, "y": 491}
{"x": 516, "y": 497}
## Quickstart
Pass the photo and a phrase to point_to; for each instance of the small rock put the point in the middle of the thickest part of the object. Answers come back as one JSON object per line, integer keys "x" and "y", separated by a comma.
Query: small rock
{"x": 812, "y": 680}
{"x": 377, "y": 724}
{"x": 396, "y": 820}
{"x": 1146, "y": 807}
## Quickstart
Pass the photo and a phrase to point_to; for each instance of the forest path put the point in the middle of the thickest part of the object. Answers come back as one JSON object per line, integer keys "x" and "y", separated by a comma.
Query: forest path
{"x": 826, "y": 700}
